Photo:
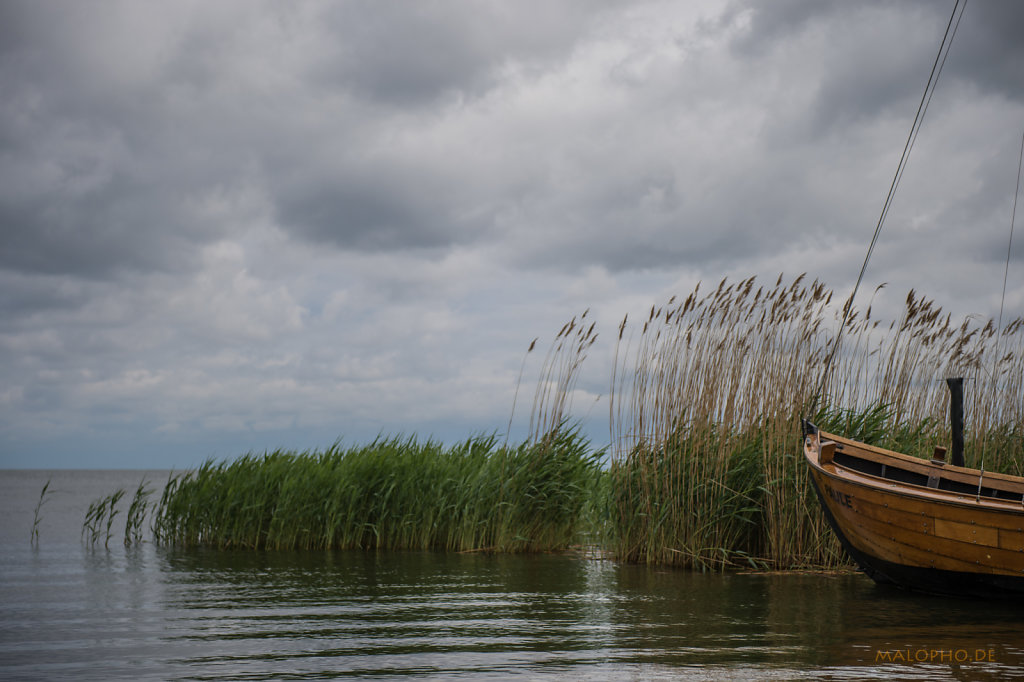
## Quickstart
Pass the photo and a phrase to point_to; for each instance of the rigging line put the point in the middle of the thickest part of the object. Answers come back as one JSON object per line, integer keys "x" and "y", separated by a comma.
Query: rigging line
{"x": 924, "y": 112}
{"x": 929, "y": 88}
{"x": 1002, "y": 300}
{"x": 918, "y": 120}
{"x": 1009, "y": 247}
{"x": 938, "y": 74}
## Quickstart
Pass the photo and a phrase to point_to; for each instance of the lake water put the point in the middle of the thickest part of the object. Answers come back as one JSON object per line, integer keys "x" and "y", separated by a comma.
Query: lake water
{"x": 71, "y": 611}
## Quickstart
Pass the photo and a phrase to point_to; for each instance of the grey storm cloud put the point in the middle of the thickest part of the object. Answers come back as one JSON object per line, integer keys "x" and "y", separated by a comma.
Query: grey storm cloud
{"x": 365, "y": 216}
{"x": 113, "y": 159}
{"x": 403, "y": 55}
{"x": 869, "y": 70}
{"x": 225, "y": 220}
{"x": 111, "y": 155}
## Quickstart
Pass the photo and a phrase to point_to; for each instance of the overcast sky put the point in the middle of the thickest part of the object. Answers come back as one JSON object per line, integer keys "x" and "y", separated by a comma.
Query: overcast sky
{"x": 233, "y": 226}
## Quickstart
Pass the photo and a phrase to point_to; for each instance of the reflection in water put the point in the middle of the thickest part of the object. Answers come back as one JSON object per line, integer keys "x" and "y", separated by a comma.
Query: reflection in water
{"x": 70, "y": 612}
{"x": 404, "y": 612}
{"x": 447, "y": 614}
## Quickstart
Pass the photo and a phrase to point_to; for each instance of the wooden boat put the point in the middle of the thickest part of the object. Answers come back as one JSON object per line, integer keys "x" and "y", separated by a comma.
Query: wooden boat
{"x": 927, "y": 526}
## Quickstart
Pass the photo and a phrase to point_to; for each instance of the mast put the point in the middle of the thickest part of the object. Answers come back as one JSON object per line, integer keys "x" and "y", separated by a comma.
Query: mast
{"x": 956, "y": 419}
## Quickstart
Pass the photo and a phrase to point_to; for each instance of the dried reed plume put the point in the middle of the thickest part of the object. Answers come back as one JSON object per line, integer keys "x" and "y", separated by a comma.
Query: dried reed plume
{"x": 559, "y": 374}
{"x": 706, "y": 403}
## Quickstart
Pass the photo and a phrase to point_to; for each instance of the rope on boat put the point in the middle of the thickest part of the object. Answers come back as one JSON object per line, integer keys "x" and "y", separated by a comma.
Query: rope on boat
{"x": 922, "y": 108}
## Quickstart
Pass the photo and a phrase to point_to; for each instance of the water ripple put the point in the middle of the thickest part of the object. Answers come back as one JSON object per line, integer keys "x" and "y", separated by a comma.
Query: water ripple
{"x": 70, "y": 612}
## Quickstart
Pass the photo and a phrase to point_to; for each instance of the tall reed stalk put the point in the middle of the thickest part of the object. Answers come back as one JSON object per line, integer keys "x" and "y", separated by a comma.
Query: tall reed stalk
{"x": 552, "y": 402}
{"x": 707, "y": 398}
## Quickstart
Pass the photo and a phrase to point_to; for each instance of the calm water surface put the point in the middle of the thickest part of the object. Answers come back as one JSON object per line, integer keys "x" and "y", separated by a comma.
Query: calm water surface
{"x": 69, "y": 611}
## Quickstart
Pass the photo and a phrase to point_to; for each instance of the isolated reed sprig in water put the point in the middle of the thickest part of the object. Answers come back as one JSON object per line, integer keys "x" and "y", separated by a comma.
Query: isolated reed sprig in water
{"x": 36, "y": 518}
{"x": 99, "y": 518}
{"x": 137, "y": 515}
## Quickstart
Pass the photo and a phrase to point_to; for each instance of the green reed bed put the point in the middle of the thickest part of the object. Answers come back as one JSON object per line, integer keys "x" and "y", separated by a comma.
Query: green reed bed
{"x": 707, "y": 397}
{"x": 706, "y": 468}
{"x": 390, "y": 494}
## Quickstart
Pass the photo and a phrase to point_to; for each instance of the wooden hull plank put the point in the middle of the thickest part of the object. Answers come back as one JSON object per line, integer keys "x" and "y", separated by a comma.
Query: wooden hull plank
{"x": 926, "y": 580}
{"x": 918, "y": 537}
{"x": 933, "y": 542}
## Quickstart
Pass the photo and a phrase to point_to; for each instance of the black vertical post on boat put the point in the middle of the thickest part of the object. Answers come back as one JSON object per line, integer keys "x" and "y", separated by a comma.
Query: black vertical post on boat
{"x": 956, "y": 419}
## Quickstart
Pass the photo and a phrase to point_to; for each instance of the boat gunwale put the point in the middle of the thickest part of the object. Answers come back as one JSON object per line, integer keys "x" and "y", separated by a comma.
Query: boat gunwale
{"x": 908, "y": 491}
{"x": 921, "y": 465}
